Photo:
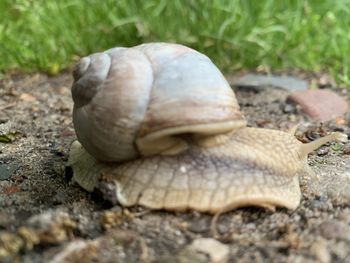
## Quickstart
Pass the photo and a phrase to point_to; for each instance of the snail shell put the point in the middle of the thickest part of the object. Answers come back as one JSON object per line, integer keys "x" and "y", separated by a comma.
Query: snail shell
{"x": 138, "y": 101}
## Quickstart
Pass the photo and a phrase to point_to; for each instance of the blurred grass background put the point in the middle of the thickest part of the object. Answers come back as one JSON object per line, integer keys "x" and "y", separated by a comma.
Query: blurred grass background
{"x": 48, "y": 35}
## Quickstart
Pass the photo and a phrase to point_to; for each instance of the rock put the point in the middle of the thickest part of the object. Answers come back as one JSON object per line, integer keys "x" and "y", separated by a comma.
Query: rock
{"x": 111, "y": 247}
{"x": 334, "y": 229}
{"x": 320, "y": 251}
{"x": 326, "y": 80}
{"x": 331, "y": 180}
{"x": 74, "y": 252}
{"x": 111, "y": 219}
{"x": 199, "y": 226}
{"x": 52, "y": 227}
{"x": 322, "y": 151}
{"x": 346, "y": 150}
{"x": 10, "y": 246}
{"x": 8, "y": 132}
{"x": 27, "y": 97}
{"x": 320, "y": 105}
{"x": 7, "y": 170}
{"x": 288, "y": 108}
{"x": 258, "y": 82}
{"x": 217, "y": 252}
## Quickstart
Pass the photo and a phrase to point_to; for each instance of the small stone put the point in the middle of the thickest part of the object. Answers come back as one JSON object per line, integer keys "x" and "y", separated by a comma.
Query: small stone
{"x": 111, "y": 219}
{"x": 320, "y": 251}
{"x": 7, "y": 170}
{"x": 217, "y": 251}
{"x": 340, "y": 121}
{"x": 289, "y": 108}
{"x": 199, "y": 226}
{"x": 320, "y": 105}
{"x": 331, "y": 180}
{"x": 110, "y": 247}
{"x": 3, "y": 119}
{"x": 326, "y": 80}
{"x": 334, "y": 229}
{"x": 75, "y": 251}
{"x": 258, "y": 82}
{"x": 108, "y": 192}
{"x": 322, "y": 151}
{"x": 346, "y": 150}
{"x": 52, "y": 227}
{"x": 29, "y": 237}
{"x": 10, "y": 245}
{"x": 321, "y": 203}
{"x": 27, "y": 97}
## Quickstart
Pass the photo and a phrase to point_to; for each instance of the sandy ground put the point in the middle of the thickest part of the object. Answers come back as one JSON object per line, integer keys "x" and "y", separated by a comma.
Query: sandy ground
{"x": 43, "y": 214}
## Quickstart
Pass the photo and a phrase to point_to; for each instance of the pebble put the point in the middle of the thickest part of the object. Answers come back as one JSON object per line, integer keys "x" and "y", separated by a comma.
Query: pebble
{"x": 110, "y": 247}
{"x": 7, "y": 170}
{"x": 217, "y": 251}
{"x": 320, "y": 105}
{"x": 321, "y": 203}
{"x": 322, "y": 151}
{"x": 3, "y": 119}
{"x": 73, "y": 249}
{"x": 346, "y": 150}
{"x": 52, "y": 227}
{"x": 320, "y": 251}
{"x": 288, "y": 108}
{"x": 199, "y": 226}
{"x": 258, "y": 82}
{"x": 331, "y": 180}
{"x": 334, "y": 229}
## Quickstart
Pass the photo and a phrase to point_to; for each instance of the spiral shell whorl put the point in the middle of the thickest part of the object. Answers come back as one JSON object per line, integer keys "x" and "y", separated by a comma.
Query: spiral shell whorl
{"x": 136, "y": 101}
{"x": 89, "y": 75}
{"x": 118, "y": 99}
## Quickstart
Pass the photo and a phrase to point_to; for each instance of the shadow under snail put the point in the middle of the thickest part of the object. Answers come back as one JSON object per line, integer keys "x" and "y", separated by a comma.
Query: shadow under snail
{"x": 159, "y": 126}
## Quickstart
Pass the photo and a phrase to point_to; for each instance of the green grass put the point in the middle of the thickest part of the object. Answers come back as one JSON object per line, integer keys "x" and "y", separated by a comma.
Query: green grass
{"x": 48, "y": 35}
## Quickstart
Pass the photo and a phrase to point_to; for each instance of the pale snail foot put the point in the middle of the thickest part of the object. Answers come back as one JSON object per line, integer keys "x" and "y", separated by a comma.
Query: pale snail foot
{"x": 202, "y": 179}
{"x": 86, "y": 169}
{"x": 239, "y": 173}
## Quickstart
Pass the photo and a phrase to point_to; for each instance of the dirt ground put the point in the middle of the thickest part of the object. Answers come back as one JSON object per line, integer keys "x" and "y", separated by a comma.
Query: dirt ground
{"x": 35, "y": 120}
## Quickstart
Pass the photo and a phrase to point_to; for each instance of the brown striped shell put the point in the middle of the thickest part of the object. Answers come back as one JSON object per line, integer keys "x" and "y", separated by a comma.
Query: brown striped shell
{"x": 138, "y": 101}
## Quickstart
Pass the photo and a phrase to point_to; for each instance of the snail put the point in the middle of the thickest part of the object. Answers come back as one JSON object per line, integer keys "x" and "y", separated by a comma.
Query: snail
{"x": 159, "y": 126}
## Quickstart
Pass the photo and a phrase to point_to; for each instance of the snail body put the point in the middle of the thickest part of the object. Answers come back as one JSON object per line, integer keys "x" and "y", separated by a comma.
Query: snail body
{"x": 159, "y": 126}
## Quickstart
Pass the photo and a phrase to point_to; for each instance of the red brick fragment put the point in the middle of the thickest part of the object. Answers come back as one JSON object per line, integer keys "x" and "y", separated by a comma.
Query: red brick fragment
{"x": 320, "y": 105}
{"x": 11, "y": 190}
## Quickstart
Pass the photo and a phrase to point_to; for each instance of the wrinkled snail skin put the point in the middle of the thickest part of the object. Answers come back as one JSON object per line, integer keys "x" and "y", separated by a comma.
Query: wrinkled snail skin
{"x": 159, "y": 126}
{"x": 131, "y": 101}
{"x": 243, "y": 172}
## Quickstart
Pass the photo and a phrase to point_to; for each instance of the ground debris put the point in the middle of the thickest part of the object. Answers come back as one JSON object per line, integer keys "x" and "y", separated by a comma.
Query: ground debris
{"x": 217, "y": 252}
{"x": 50, "y": 228}
{"x": 8, "y": 132}
{"x": 114, "y": 246}
{"x": 10, "y": 246}
{"x": 334, "y": 229}
{"x": 321, "y": 252}
{"x": 99, "y": 233}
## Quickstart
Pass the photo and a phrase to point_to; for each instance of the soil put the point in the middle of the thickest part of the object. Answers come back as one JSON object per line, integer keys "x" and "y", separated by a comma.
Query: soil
{"x": 35, "y": 119}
